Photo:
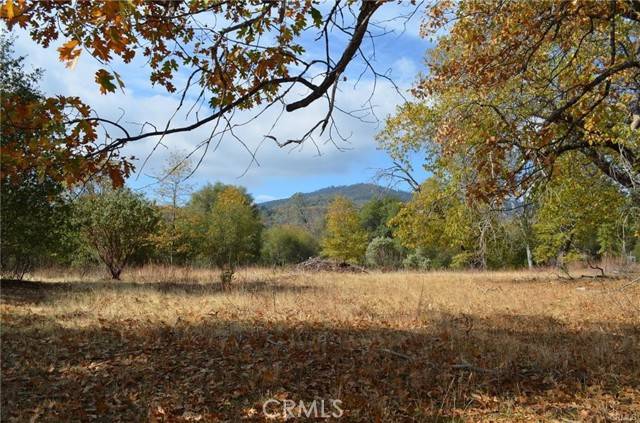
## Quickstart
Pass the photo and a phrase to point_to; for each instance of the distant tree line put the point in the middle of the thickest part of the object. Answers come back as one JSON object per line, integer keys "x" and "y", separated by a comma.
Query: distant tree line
{"x": 577, "y": 217}
{"x": 579, "y": 214}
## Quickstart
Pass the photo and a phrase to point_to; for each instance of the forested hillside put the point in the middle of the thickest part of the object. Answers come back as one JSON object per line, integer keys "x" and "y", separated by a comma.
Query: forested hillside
{"x": 309, "y": 209}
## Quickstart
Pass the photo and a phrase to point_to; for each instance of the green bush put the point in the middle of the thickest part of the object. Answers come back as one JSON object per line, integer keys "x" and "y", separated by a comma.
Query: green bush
{"x": 287, "y": 244}
{"x": 417, "y": 261}
{"x": 462, "y": 260}
{"x": 35, "y": 222}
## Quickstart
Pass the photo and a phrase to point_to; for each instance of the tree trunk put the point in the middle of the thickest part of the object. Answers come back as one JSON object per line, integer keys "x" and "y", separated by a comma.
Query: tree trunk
{"x": 115, "y": 273}
{"x": 226, "y": 275}
{"x": 529, "y": 257}
{"x": 624, "y": 242}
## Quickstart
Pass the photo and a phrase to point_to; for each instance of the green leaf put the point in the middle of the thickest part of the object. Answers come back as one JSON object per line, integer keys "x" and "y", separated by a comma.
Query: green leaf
{"x": 119, "y": 80}
{"x": 317, "y": 17}
{"x": 105, "y": 80}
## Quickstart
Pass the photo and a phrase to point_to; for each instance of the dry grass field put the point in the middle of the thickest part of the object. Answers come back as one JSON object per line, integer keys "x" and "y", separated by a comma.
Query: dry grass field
{"x": 166, "y": 344}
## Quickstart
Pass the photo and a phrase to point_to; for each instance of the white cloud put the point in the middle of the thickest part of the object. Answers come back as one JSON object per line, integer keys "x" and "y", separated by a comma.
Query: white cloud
{"x": 405, "y": 69}
{"x": 261, "y": 198}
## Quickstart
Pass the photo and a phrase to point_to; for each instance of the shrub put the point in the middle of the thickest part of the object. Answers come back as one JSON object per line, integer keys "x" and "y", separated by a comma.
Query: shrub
{"x": 35, "y": 219}
{"x": 462, "y": 260}
{"x": 417, "y": 261}
{"x": 288, "y": 244}
{"x": 384, "y": 252}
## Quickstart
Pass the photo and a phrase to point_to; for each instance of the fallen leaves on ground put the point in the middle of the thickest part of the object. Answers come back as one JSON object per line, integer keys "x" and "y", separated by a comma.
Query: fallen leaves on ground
{"x": 223, "y": 367}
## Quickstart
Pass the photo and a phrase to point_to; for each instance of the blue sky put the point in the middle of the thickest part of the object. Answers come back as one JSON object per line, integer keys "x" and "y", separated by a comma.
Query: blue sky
{"x": 281, "y": 172}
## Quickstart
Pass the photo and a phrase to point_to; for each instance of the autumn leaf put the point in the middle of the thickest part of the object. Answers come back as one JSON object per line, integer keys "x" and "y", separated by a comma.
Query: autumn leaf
{"x": 105, "y": 80}
{"x": 116, "y": 177}
{"x": 9, "y": 9}
{"x": 69, "y": 53}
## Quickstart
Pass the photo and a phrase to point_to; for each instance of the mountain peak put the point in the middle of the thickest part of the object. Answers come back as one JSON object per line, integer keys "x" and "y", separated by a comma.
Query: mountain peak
{"x": 308, "y": 209}
{"x": 359, "y": 193}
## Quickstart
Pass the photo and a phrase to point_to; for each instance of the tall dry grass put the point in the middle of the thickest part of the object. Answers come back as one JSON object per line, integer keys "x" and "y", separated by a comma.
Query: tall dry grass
{"x": 398, "y": 298}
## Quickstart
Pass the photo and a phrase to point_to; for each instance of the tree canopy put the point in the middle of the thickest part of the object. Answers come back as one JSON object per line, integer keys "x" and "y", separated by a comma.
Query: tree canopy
{"x": 288, "y": 244}
{"x": 344, "y": 238}
{"x": 234, "y": 231}
{"x": 238, "y": 55}
{"x": 527, "y": 116}
{"x": 50, "y": 136}
{"x": 116, "y": 223}
{"x": 203, "y": 200}
{"x": 514, "y": 86}
{"x": 578, "y": 213}
{"x": 376, "y": 213}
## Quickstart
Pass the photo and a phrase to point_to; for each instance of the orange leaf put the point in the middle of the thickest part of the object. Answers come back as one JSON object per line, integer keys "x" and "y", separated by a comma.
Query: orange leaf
{"x": 116, "y": 177}
{"x": 9, "y": 8}
{"x": 69, "y": 53}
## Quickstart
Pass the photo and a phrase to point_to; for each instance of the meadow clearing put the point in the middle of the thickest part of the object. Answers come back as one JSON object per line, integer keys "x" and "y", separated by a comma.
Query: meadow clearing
{"x": 167, "y": 344}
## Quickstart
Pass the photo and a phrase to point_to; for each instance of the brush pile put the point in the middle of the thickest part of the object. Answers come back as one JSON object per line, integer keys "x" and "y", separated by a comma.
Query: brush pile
{"x": 317, "y": 264}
